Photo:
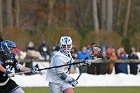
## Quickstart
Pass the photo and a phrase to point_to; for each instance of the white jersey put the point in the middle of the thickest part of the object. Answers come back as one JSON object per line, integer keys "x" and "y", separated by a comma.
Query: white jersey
{"x": 59, "y": 59}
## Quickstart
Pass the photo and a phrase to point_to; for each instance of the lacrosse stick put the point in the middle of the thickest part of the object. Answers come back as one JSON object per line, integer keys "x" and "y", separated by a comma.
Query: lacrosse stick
{"x": 75, "y": 63}
{"x": 78, "y": 76}
{"x": 81, "y": 72}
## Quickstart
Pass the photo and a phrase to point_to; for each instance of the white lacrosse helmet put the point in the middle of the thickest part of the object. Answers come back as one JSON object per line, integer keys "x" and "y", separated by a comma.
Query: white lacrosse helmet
{"x": 66, "y": 44}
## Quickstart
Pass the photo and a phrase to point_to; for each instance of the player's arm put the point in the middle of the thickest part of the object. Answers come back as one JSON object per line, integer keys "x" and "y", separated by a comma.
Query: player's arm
{"x": 24, "y": 69}
{"x": 19, "y": 66}
{"x": 68, "y": 79}
{"x": 2, "y": 69}
{"x": 7, "y": 72}
{"x": 61, "y": 73}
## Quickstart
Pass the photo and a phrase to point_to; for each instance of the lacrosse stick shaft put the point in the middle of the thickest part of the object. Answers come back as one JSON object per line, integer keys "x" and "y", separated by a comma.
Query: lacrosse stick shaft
{"x": 79, "y": 76}
{"x": 18, "y": 73}
{"x": 75, "y": 63}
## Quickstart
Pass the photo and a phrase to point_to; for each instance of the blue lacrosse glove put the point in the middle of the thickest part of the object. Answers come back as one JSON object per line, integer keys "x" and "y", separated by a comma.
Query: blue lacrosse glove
{"x": 74, "y": 82}
{"x": 34, "y": 70}
{"x": 9, "y": 73}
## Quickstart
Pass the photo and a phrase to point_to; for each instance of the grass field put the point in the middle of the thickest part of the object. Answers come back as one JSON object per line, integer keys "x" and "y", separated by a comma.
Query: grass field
{"x": 89, "y": 90}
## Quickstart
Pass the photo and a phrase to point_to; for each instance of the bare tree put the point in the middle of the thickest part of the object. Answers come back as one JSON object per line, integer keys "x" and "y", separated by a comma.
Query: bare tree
{"x": 1, "y": 23}
{"x": 86, "y": 13}
{"x": 67, "y": 15}
{"x": 109, "y": 17}
{"x": 119, "y": 11}
{"x": 103, "y": 14}
{"x": 95, "y": 15}
{"x": 78, "y": 14}
{"x": 17, "y": 13}
{"x": 9, "y": 13}
{"x": 127, "y": 18}
{"x": 50, "y": 15}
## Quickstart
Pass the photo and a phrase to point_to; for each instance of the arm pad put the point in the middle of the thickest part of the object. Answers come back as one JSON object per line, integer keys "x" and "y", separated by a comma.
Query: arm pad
{"x": 18, "y": 65}
{"x": 65, "y": 77}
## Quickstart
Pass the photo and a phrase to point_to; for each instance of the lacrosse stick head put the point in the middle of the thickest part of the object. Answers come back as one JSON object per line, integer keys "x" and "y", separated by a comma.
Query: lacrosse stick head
{"x": 66, "y": 44}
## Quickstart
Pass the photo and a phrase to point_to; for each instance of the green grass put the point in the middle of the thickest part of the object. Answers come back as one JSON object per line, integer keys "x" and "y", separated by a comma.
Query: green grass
{"x": 89, "y": 90}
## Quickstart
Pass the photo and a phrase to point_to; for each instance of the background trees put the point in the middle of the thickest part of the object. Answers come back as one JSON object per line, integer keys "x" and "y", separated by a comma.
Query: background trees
{"x": 83, "y": 17}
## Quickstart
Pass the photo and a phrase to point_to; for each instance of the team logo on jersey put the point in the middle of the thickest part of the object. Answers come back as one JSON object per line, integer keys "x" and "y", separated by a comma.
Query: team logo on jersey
{"x": 8, "y": 61}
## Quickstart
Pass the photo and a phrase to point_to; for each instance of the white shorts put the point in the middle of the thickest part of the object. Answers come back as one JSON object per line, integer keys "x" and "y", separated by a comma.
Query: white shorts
{"x": 59, "y": 88}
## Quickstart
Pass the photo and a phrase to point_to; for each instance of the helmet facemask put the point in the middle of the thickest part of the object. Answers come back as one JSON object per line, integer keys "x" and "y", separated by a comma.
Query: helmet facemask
{"x": 12, "y": 50}
{"x": 66, "y": 48}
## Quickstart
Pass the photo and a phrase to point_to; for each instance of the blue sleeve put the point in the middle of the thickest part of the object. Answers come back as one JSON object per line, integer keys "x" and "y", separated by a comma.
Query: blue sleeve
{"x": 80, "y": 56}
{"x": 88, "y": 56}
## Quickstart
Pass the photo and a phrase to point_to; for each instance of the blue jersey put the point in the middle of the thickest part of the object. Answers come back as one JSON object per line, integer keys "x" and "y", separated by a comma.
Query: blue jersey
{"x": 83, "y": 56}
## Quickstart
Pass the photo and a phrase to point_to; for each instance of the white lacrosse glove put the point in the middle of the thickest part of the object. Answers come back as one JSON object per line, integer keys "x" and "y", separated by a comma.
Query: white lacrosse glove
{"x": 9, "y": 73}
{"x": 72, "y": 81}
{"x": 68, "y": 79}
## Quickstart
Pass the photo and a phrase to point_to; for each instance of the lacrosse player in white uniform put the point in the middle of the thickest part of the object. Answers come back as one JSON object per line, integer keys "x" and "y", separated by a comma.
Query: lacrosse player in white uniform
{"x": 59, "y": 80}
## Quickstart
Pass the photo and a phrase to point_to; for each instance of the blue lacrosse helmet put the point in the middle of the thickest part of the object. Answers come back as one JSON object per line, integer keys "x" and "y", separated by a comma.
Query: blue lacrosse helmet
{"x": 7, "y": 46}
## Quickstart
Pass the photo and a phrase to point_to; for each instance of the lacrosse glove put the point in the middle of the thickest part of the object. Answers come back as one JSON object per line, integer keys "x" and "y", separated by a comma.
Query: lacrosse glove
{"x": 74, "y": 82}
{"x": 68, "y": 79}
{"x": 9, "y": 73}
{"x": 34, "y": 70}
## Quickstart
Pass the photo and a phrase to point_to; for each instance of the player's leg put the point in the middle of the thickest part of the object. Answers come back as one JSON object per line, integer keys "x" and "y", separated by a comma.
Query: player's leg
{"x": 3, "y": 89}
{"x": 18, "y": 90}
{"x": 13, "y": 87}
{"x": 68, "y": 88}
{"x": 55, "y": 87}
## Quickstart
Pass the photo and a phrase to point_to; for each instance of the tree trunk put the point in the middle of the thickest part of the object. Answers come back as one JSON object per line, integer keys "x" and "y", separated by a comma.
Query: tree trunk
{"x": 103, "y": 14}
{"x": 9, "y": 13}
{"x": 67, "y": 14}
{"x": 78, "y": 14}
{"x": 127, "y": 19}
{"x": 109, "y": 16}
{"x": 119, "y": 12}
{"x": 95, "y": 15}
{"x": 1, "y": 23}
{"x": 17, "y": 13}
{"x": 86, "y": 13}
{"x": 50, "y": 15}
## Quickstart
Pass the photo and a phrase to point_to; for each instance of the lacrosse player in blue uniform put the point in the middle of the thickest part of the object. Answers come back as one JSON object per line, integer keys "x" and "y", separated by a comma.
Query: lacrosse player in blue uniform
{"x": 7, "y": 62}
{"x": 59, "y": 79}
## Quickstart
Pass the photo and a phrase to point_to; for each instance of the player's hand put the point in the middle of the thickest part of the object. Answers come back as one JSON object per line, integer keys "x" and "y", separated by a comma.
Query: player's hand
{"x": 74, "y": 82}
{"x": 9, "y": 73}
{"x": 85, "y": 63}
{"x": 34, "y": 70}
